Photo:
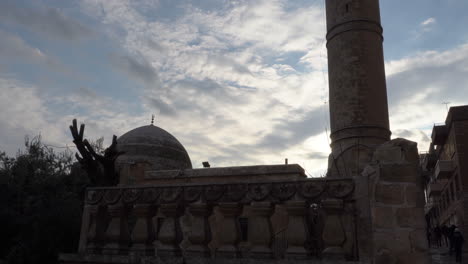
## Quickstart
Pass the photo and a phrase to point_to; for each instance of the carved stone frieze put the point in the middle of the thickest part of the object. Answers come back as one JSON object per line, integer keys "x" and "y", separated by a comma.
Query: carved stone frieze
{"x": 149, "y": 195}
{"x": 112, "y": 196}
{"x": 311, "y": 190}
{"x": 94, "y": 196}
{"x": 131, "y": 195}
{"x": 283, "y": 191}
{"x": 340, "y": 189}
{"x": 214, "y": 192}
{"x": 171, "y": 194}
{"x": 259, "y": 192}
{"x": 236, "y": 192}
{"x": 192, "y": 193}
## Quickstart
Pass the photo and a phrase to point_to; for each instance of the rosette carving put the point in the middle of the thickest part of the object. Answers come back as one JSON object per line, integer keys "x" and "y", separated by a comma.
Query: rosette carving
{"x": 214, "y": 192}
{"x": 236, "y": 192}
{"x": 171, "y": 194}
{"x": 130, "y": 195}
{"x": 149, "y": 195}
{"x": 311, "y": 189}
{"x": 94, "y": 196}
{"x": 112, "y": 196}
{"x": 259, "y": 192}
{"x": 192, "y": 193}
{"x": 340, "y": 189}
{"x": 283, "y": 191}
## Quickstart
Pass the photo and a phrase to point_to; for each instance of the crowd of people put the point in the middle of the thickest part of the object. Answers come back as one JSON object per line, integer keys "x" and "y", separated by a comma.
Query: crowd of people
{"x": 445, "y": 236}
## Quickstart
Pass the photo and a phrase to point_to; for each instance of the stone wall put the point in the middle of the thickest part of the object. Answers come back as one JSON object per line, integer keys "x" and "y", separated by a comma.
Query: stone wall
{"x": 396, "y": 201}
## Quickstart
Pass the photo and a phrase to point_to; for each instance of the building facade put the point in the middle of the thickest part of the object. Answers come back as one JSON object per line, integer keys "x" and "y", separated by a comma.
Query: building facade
{"x": 445, "y": 170}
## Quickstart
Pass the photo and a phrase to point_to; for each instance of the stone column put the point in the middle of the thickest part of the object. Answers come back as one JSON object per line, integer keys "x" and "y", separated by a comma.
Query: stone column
{"x": 170, "y": 234}
{"x": 358, "y": 95}
{"x": 296, "y": 232}
{"x": 200, "y": 233}
{"x": 230, "y": 235}
{"x": 260, "y": 229}
{"x": 333, "y": 234}
{"x": 143, "y": 233}
{"x": 117, "y": 236}
{"x": 92, "y": 232}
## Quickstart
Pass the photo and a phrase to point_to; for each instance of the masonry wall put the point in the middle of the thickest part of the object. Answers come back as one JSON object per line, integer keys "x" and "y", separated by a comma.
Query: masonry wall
{"x": 397, "y": 205}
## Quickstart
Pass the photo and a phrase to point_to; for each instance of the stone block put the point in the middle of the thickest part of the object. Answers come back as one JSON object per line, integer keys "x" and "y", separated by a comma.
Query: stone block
{"x": 414, "y": 196}
{"x": 410, "y": 217}
{"x": 418, "y": 240}
{"x": 383, "y": 217}
{"x": 399, "y": 173}
{"x": 414, "y": 258}
{"x": 396, "y": 241}
{"x": 388, "y": 155}
{"x": 385, "y": 257}
{"x": 391, "y": 194}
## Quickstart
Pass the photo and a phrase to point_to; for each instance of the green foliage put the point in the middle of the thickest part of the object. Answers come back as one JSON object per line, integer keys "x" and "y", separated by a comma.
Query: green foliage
{"x": 41, "y": 201}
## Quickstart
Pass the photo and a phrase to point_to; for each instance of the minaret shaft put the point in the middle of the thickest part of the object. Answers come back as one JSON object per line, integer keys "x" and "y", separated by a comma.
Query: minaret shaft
{"x": 358, "y": 96}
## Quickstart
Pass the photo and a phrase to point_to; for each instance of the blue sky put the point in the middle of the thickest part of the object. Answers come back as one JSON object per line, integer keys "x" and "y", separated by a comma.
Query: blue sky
{"x": 237, "y": 82}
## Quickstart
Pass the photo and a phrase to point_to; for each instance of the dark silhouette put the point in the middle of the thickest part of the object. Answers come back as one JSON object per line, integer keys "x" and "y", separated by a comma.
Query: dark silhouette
{"x": 41, "y": 201}
{"x": 445, "y": 235}
{"x": 457, "y": 242}
{"x": 100, "y": 168}
{"x": 450, "y": 236}
{"x": 438, "y": 236}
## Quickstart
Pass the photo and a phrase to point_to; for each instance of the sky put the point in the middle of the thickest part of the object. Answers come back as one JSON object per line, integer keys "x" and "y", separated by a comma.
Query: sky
{"x": 237, "y": 82}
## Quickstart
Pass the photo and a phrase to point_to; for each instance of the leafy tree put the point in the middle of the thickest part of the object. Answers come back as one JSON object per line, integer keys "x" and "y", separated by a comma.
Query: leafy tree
{"x": 41, "y": 201}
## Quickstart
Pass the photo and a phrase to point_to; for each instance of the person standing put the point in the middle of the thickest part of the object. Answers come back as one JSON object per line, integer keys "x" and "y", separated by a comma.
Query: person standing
{"x": 457, "y": 242}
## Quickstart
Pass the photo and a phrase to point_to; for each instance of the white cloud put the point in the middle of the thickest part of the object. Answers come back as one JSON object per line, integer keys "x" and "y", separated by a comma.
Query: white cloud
{"x": 419, "y": 84}
{"x": 429, "y": 21}
{"x": 243, "y": 84}
{"x": 223, "y": 74}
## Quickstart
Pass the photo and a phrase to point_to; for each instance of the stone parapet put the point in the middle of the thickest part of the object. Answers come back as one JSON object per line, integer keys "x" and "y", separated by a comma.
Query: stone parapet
{"x": 286, "y": 222}
{"x": 226, "y": 174}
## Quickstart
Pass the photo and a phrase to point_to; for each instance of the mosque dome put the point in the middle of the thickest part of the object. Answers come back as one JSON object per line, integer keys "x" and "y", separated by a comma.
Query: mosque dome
{"x": 151, "y": 148}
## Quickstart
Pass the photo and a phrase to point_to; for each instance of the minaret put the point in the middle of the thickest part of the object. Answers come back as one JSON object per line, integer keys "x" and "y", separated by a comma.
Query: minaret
{"x": 358, "y": 93}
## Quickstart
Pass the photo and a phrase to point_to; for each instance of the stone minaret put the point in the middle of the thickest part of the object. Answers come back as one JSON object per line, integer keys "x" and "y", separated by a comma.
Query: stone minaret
{"x": 358, "y": 93}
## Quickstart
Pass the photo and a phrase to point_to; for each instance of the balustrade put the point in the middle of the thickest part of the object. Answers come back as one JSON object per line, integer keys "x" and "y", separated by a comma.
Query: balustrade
{"x": 147, "y": 220}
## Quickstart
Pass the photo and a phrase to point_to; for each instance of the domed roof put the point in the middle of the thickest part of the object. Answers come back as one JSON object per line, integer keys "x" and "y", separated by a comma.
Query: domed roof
{"x": 154, "y": 146}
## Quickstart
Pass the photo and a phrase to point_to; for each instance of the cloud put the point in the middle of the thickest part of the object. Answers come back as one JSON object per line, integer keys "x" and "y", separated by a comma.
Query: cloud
{"x": 138, "y": 69}
{"x": 293, "y": 130}
{"x": 49, "y": 21}
{"x": 417, "y": 87}
{"x": 22, "y": 112}
{"x": 16, "y": 49}
{"x": 428, "y": 22}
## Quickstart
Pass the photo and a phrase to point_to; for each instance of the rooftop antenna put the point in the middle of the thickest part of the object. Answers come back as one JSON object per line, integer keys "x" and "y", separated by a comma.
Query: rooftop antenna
{"x": 446, "y": 105}
{"x": 152, "y": 119}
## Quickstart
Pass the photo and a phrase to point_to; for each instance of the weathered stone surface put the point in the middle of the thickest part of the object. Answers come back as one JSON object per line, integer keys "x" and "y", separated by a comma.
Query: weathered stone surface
{"x": 414, "y": 258}
{"x": 385, "y": 256}
{"x": 383, "y": 217}
{"x": 396, "y": 241}
{"x": 410, "y": 217}
{"x": 418, "y": 240}
{"x": 399, "y": 173}
{"x": 388, "y": 155}
{"x": 414, "y": 196}
{"x": 397, "y": 150}
{"x": 389, "y": 194}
